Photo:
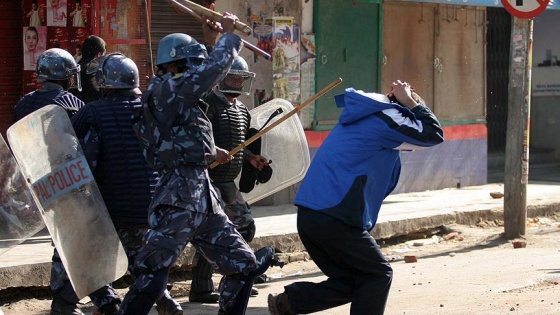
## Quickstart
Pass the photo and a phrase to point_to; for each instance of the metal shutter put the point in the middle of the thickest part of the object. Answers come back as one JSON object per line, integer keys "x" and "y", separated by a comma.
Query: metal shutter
{"x": 166, "y": 20}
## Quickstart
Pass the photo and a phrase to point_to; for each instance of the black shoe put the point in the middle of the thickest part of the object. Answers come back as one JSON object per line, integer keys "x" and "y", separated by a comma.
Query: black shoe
{"x": 261, "y": 279}
{"x": 254, "y": 291}
{"x": 204, "y": 297}
{"x": 278, "y": 304}
{"x": 168, "y": 306}
{"x": 111, "y": 308}
{"x": 59, "y": 307}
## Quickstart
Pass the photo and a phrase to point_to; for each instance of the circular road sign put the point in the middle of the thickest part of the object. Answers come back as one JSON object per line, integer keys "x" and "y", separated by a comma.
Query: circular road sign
{"x": 525, "y": 9}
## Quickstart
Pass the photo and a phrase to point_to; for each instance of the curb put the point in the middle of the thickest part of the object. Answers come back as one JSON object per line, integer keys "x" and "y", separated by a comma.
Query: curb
{"x": 289, "y": 247}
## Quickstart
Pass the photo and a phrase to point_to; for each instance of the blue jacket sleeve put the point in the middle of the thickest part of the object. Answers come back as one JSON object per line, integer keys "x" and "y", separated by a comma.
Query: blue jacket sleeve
{"x": 412, "y": 129}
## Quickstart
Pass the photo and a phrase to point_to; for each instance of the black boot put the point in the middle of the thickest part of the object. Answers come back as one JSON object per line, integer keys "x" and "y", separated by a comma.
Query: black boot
{"x": 136, "y": 303}
{"x": 166, "y": 305}
{"x": 203, "y": 297}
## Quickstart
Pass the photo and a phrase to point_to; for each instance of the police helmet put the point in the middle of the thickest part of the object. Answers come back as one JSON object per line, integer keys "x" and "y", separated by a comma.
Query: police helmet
{"x": 238, "y": 80}
{"x": 57, "y": 64}
{"x": 116, "y": 71}
{"x": 178, "y": 47}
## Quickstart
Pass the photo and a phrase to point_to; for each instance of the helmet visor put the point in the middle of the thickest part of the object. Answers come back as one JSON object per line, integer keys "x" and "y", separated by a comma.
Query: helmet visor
{"x": 237, "y": 82}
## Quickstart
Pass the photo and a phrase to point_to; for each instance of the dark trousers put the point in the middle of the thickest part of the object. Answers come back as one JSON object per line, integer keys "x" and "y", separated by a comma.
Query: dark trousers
{"x": 357, "y": 271}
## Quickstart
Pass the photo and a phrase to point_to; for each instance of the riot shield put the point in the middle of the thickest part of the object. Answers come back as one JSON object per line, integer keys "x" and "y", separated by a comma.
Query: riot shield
{"x": 19, "y": 215}
{"x": 284, "y": 144}
{"x": 49, "y": 154}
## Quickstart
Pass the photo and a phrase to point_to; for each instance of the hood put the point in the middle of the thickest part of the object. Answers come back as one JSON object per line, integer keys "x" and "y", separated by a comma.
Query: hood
{"x": 357, "y": 104}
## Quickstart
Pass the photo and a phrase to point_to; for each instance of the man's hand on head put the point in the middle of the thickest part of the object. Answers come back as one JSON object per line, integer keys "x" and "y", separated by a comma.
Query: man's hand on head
{"x": 402, "y": 92}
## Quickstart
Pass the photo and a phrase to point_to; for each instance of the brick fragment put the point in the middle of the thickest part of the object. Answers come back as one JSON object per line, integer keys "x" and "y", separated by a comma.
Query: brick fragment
{"x": 450, "y": 236}
{"x": 410, "y": 259}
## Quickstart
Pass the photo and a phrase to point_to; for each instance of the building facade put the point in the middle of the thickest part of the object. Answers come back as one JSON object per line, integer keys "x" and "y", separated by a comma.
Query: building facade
{"x": 455, "y": 54}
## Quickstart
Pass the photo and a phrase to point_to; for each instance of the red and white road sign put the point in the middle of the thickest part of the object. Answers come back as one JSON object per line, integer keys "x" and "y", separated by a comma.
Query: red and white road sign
{"x": 525, "y": 9}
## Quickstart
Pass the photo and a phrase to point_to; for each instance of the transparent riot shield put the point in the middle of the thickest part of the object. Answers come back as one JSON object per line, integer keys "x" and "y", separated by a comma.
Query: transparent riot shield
{"x": 285, "y": 145}
{"x": 48, "y": 152}
{"x": 19, "y": 216}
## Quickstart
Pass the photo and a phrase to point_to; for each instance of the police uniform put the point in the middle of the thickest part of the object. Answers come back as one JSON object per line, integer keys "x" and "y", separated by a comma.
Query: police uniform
{"x": 230, "y": 122}
{"x": 185, "y": 207}
{"x": 124, "y": 179}
{"x": 49, "y": 93}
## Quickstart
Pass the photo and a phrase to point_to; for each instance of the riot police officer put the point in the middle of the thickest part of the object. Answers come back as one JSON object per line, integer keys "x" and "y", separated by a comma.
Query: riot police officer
{"x": 58, "y": 71}
{"x": 125, "y": 180}
{"x": 230, "y": 120}
{"x": 176, "y": 139}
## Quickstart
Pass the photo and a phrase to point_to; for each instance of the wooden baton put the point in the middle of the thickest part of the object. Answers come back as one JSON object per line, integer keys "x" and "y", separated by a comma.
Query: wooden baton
{"x": 296, "y": 110}
{"x": 213, "y": 15}
{"x": 197, "y": 16}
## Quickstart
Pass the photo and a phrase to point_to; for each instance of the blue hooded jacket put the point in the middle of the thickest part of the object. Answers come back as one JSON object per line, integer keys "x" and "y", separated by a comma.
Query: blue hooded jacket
{"x": 358, "y": 164}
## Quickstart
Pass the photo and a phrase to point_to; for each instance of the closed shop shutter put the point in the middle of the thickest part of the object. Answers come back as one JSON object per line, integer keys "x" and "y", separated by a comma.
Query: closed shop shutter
{"x": 11, "y": 63}
{"x": 166, "y": 20}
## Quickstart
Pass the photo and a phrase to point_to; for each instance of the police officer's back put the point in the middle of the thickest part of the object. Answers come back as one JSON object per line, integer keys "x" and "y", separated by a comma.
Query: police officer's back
{"x": 57, "y": 71}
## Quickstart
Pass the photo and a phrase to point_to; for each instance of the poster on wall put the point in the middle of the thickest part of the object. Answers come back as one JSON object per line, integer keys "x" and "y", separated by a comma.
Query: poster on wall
{"x": 286, "y": 59}
{"x": 49, "y": 24}
{"x": 307, "y": 114}
{"x": 545, "y": 78}
{"x": 34, "y": 44}
{"x": 79, "y": 13}
{"x": 57, "y": 13}
{"x": 262, "y": 31}
{"x": 109, "y": 23}
{"x": 258, "y": 14}
{"x": 34, "y": 13}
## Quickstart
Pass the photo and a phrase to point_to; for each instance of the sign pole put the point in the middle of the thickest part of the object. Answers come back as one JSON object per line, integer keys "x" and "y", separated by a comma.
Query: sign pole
{"x": 516, "y": 174}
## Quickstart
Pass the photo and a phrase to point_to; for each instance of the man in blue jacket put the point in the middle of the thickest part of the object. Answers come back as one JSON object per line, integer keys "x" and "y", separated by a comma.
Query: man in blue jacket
{"x": 339, "y": 199}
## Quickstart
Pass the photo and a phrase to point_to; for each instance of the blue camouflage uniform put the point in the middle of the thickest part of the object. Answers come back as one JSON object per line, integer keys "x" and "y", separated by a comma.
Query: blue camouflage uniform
{"x": 52, "y": 93}
{"x": 185, "y": 207}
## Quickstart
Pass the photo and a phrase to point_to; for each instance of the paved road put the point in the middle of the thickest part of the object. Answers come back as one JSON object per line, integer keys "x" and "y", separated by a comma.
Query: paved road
{"x": 482, "y": 274}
